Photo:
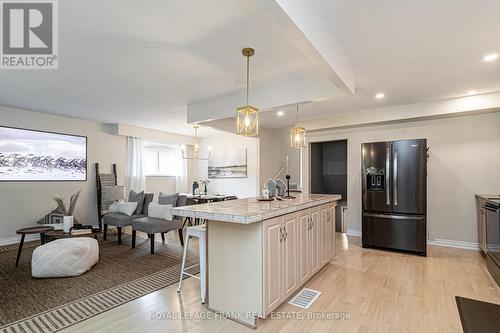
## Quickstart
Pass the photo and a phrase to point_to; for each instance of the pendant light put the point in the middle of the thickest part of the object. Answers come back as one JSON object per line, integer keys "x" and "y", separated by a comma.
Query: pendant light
{"x": 196, "y": 148}
{"x": 297, "y": 135}
{"x": 247, "y": 117}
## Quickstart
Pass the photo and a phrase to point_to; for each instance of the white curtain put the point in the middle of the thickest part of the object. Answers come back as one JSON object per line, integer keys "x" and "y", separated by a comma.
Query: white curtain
{"x": 181, "y": 180}
{"x": 135, "y": 178}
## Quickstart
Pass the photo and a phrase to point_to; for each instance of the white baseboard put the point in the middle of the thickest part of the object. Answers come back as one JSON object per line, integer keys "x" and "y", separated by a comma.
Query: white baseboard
{"x": 435, "y": 242}
{"x": 354, "y": 232}
{"x": 17, "y": 239}
{"x": 350, "y": 232}
{"x": 454, "y": 244}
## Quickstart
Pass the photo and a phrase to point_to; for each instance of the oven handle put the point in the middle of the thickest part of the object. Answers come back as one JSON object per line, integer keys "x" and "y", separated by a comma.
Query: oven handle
{"x": 387, "y": 176}
{"x": 395, "y": 179}
{"x": 395, "y": 217}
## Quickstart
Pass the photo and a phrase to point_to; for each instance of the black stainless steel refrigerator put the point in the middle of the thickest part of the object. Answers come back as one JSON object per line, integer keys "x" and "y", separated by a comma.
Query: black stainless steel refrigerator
{"x": 395, "y": 195}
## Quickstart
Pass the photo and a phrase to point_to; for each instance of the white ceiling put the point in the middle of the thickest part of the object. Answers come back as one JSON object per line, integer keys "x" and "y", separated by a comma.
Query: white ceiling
{"x": 413, "y": 51}
{"x": 143, "y": 62}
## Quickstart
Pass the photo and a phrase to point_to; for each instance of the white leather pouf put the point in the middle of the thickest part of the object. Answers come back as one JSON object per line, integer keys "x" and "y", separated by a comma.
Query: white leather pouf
{"x": 64, "y": 257}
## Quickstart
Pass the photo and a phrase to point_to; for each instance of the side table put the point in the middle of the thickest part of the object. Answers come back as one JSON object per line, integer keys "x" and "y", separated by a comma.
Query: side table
{"x": 58, "y": 234}
{"x": 28, "y": 231}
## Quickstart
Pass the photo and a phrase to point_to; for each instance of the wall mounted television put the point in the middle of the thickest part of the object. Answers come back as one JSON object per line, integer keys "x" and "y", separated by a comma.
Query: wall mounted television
{"x": 30, "y": 155}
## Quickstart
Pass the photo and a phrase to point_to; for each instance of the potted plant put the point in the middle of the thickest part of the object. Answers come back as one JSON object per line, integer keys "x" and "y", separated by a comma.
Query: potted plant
{"x": 67, "y": 214}
{"x": 205, "y": 182}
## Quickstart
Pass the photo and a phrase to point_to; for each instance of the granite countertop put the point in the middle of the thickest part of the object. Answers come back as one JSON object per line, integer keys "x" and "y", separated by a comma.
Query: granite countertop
{"x": 246, "y": 211}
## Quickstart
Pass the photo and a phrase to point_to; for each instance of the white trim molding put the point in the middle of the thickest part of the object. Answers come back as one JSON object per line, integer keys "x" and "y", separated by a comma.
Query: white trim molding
{"x": 435, "y": 242}
{"x": 354, "y": 232}
{"x": 453, "y": 243}
{"x": 17, "y": 239}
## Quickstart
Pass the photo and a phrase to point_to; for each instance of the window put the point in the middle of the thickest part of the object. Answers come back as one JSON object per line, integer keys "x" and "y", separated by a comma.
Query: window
{"x": 160, "y": 159}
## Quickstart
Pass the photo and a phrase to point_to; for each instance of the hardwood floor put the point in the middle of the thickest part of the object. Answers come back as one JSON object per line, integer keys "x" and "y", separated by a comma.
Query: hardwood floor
{"x": 381, "y": 291}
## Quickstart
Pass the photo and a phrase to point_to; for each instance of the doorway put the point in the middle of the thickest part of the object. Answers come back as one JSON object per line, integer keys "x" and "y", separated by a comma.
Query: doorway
{"x": 329, "y": 174}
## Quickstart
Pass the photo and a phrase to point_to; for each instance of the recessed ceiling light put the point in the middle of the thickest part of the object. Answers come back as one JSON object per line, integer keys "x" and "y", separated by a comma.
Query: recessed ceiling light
{"x": 471, "y": 93}
{"x": 490, "y": 57}
{"x": 280, "y": 113}
{"x": 379, "y": 95}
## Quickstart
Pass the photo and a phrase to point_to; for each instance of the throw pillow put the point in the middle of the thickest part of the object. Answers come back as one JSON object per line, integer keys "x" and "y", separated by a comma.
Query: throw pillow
{"x": 165, "y": 199}
{"x": 148, "y": 198}
{"x": 139, "y": 198}
{"x": 163, "y": 212}
{"x": 127, "y": 208}
{"x": 182, "y": 200}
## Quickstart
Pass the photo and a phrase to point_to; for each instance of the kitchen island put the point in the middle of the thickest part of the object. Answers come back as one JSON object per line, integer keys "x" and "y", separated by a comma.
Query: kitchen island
{"x": 260, "y": 253}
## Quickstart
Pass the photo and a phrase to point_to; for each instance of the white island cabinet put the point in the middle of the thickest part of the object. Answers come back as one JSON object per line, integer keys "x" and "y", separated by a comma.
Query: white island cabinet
{"x": 260, "y": 253}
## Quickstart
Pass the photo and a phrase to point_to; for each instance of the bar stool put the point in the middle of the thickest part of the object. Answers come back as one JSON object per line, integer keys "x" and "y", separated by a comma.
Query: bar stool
{"x": 196, "y": 231}
{"x": 189, "y": 220}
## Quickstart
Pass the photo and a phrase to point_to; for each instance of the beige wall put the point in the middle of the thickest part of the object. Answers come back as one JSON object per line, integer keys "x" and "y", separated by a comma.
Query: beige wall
{"x": 241, "y": 187}
{"x": 270, "y": 156}
{"x": 464, "y": 159}
{"x": 151, "y": 134}
{"x": 275, "y": 147}
{"x": 23, "y": 203}
{"x": 157, "y": 184}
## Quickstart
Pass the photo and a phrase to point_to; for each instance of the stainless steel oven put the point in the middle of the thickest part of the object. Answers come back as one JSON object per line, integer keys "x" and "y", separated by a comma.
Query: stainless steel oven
{"x": 492, "y": 210}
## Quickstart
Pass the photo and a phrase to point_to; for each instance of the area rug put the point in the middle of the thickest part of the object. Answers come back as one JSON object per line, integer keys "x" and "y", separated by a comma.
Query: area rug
{"x": 478, "y": 316}
{"x": 48, "y": 305}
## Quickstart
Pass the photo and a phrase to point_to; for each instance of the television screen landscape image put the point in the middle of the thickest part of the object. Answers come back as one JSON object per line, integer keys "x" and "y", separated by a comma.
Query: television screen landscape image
{"x": 28, "y": 155}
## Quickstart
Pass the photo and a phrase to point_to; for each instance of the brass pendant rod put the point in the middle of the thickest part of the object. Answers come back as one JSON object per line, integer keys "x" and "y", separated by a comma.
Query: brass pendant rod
{"x": 297, "y": 123}
{"x": 248, "y": 74}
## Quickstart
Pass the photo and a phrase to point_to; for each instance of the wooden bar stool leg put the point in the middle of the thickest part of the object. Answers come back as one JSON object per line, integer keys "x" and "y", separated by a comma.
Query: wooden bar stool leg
{"x": 186, "y": 245}
{"x": 152, "y": 240}
{"x": 134, "y": 235}
{"x": 119, "y": 235}
{"x": 20, "y": 249}
{"x": 181, "y": 238}
{"x": 105, "y": 232}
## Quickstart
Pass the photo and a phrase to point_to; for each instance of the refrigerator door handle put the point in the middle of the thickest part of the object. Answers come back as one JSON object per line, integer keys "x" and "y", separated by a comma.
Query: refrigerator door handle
{"x": 395, "y": 178}
{"x": 387, "y": 176}
{"x": 395, "y": 217}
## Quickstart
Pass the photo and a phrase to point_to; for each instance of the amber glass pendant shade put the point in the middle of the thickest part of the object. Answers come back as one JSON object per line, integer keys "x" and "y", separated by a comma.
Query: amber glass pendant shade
{"x": 247, "y": 117}
{"x": 298, "y": 137}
